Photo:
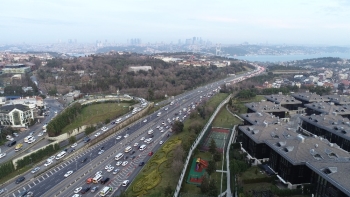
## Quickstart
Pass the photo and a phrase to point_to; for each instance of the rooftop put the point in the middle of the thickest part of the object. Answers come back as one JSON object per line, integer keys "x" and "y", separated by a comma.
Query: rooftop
{"x": 338, "y": 99}
{"x": 333, "y": 172}
{"x": 329, "y": 108}
{"x": 282, "y": 99}
{"x": 335, "y": 124}
{"x": 259, "y": 118}
{"x": 303, "y": 149}
{"x": 9, "y": 108}
{"x": 309, "y": 97}
{"x": 265, "y": 106}
{"x": 260, "y": 133}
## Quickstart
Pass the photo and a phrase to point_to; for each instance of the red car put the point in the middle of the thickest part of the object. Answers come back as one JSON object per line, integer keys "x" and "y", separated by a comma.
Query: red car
{"x": 150, "y": 153}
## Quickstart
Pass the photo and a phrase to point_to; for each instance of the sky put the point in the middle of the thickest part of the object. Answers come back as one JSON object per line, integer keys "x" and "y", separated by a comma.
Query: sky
{"x": 292, "y": 22}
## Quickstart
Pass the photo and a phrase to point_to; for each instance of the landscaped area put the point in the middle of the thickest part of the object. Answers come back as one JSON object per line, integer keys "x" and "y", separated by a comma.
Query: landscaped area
{"x": 225, "y": 119}
{"x": 97, "y": 113}
{"x": 158, "y": 170}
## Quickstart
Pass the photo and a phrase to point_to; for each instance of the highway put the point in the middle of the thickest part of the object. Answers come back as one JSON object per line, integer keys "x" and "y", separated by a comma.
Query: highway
{"x": 53, "y": 183}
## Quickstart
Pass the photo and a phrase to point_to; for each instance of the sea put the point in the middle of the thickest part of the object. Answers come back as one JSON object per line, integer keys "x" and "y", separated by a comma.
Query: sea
{"x": 287, "y": 58}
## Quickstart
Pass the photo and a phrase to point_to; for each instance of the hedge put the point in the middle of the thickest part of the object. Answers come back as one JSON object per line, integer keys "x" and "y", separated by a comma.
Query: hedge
{"x": 6, "y": 168}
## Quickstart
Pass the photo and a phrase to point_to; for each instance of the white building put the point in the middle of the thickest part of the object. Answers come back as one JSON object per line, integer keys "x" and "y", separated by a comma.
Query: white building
{"x": 16, "y": 115}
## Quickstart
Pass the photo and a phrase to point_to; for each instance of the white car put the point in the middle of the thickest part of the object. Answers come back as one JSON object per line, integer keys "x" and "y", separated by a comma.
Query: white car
{"x": 162, "y": 131}
{"x": 136, "y": 144}
{"x": 125, "y": 183}
{"x": 161, "y": 142}
{"x": 97, "y": 134}
{"x": 76, "y": 195}
{"x": 158, "y": 126}
{"x": 110, "y": 169}
{"x": 125, "y": 163}
{"x": 142, "y": 139}
{"x": 40, "y": 134}
{"x": 166, "y": 109}
{"x": 145, "y": 120}
{"x": 68, "y": 173}
{"x": 51, "y": 158}
{"x": 101, "y": 151}
{"x": 77, "y": 190}
{"x": 127, "y": 135}
{"x": 98, "y": 173}
{"x": 2, "y": 155}
{"x": 31, "y": 141}
{"x": 48, "y": 162}
{"x": 119, "y": 137}
{"x": 74, "y": 145}
{"x": 108, "y": 166}
{"x": 118, "y": 163}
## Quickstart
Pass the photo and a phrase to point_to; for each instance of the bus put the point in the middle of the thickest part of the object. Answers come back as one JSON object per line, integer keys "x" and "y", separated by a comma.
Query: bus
{"x": 105, "y": 191}
{"x": 18, "y": 147}
{"x": 61, "y": 155}
{"x": 97, "y": 178}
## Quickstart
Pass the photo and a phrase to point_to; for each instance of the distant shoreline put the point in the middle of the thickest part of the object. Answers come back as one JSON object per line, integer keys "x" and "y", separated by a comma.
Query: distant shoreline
{"x": 287, "y": 58}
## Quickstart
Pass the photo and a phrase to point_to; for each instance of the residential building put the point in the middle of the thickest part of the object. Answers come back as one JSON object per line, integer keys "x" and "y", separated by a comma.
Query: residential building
{"x": 286, "y": 101}
{"x": 16, "y": 68}
{"x": 71, "y": 96}
{"x": 338, "y": 99}
{"x": 266, "y": 106}
{"x": 334, "y": 128}
{"x": 259, "y": 118}
{"x": 17, "y": 115}
{"x": 309, "y": 97}
{"x": 327, "y": 108}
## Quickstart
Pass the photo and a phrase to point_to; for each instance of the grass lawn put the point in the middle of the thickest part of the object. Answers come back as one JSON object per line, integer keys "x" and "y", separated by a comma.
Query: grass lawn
{"x": 257, "y": 98}
{"x": 250, "y": 173}
{"x": 96, "y": 113}
{"x": 225, "y": 119}
{"x": 256, "y": 186}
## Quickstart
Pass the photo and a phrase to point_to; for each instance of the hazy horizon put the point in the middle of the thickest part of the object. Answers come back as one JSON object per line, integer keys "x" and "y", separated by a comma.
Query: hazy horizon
{"x": 320, "y": 23}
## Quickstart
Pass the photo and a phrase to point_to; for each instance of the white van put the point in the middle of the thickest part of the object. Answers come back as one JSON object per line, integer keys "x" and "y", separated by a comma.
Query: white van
{"x": 119, "y": 156}
{"x": 150, "y": 132}
{"x": 142, "y": 147}
{"x": 128, "y": 149}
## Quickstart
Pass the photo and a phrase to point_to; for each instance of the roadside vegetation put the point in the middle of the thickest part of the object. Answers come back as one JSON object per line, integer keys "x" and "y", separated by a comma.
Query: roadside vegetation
{"x": 170, "y": 161}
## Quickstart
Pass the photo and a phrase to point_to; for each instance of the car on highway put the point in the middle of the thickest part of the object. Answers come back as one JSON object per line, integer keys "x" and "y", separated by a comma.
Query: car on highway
{"x": 2, "y": 155}
{"x": 48, "y": 162}
{"x": 118, "y": 163}
{"x": 110, "y": 169}
{"x": 136, "y": 144}
{"x": 15, "y": 134}
{"x": 97, "y": 134}
{"x": 108, "y": 166}
{"x": 77, "y": 190}
{"x": 161, "y": 142}
{"x": 150, "y": 153}
{"x": 20, "y": 179}
{"x": 157, "y": 126}
{"x": 98, "y": 173}
{"x": 35, "y": 170}
{"x": 68, "y": 173}
{"x": 162, "y": 131}
{"x": 142, "y": 139}
{"x": 84, "y": 190}
{"x": 40, "y": 134}
{"x": 126, "y": 135}
{"x": 74, "y": 145}
{"x": 100, "y": 152}
{"x": 116, "y": 171}
{"x": 125, "y": 163}
{"x": 104, "y": 129}
{"x": 145, "y": 120}
{"x": 86, "y": 139}
{"x": 125, "y": 183}
{"x": 2, "y": 191}
{"x": 51, "y": 158}
{"x": 119, "y": 137}
{"x": 76, "y": 195}
{"x": 94, "y": 189}
{"x": 141, "y": 163}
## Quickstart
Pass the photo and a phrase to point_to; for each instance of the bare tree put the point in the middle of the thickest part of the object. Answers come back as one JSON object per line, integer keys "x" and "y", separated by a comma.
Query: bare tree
{"x": 177, "y": 166}
{"x": 178, "y": 153}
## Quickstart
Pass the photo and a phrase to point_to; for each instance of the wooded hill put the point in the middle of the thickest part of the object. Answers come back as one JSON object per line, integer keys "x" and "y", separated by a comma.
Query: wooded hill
{"x": 109, "y": 72}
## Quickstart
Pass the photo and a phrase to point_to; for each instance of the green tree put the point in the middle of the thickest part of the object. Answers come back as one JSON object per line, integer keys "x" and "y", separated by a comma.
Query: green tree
{"x": 217, "y": 156}
{"x": 205, "y": 184}
{"x": 213, "y": 190}
{"x": 212, "y": 146}
{"x": 107, "y": 121}
{"x": 211, "y": 167}
{"x": 72, "y": 139}
{"x": 168, "y": 191}
{"x": 177, "y": 127}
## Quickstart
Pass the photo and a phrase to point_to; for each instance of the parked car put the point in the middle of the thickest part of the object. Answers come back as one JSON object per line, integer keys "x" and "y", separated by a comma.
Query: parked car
{"x": 68, "y": 173}
{"x": 125, "y": 163}
{"x": 77, "y": 190}
{"x": 94, "y": 189}
{"x": 119, "y": 137}
{"x": 150, "y": 153}
{"x": 74, "y": 145}
{"x": 86, "y": 189}
{"x": 48, "y": 162}
{"x": 83, "y": 160}
{"x": 116, "y": 171}
{"x": 125, "y": 183}
{"x": 141, "y": 163}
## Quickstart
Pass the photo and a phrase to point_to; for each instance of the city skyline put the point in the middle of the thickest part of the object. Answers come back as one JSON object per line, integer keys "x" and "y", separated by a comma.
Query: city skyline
{"x": 273, "y": 22}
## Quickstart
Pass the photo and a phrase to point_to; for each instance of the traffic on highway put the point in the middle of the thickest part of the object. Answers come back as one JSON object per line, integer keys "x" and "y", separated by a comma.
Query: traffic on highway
{"x": 109, "y": 166}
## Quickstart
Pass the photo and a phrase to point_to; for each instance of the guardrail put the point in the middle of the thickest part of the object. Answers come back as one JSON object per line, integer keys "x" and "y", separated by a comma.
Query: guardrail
{"x": 195, "y": 144}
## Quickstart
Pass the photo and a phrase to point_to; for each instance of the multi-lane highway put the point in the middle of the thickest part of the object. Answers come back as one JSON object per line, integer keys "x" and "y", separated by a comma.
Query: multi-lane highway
{"x": 53, "y": 183}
